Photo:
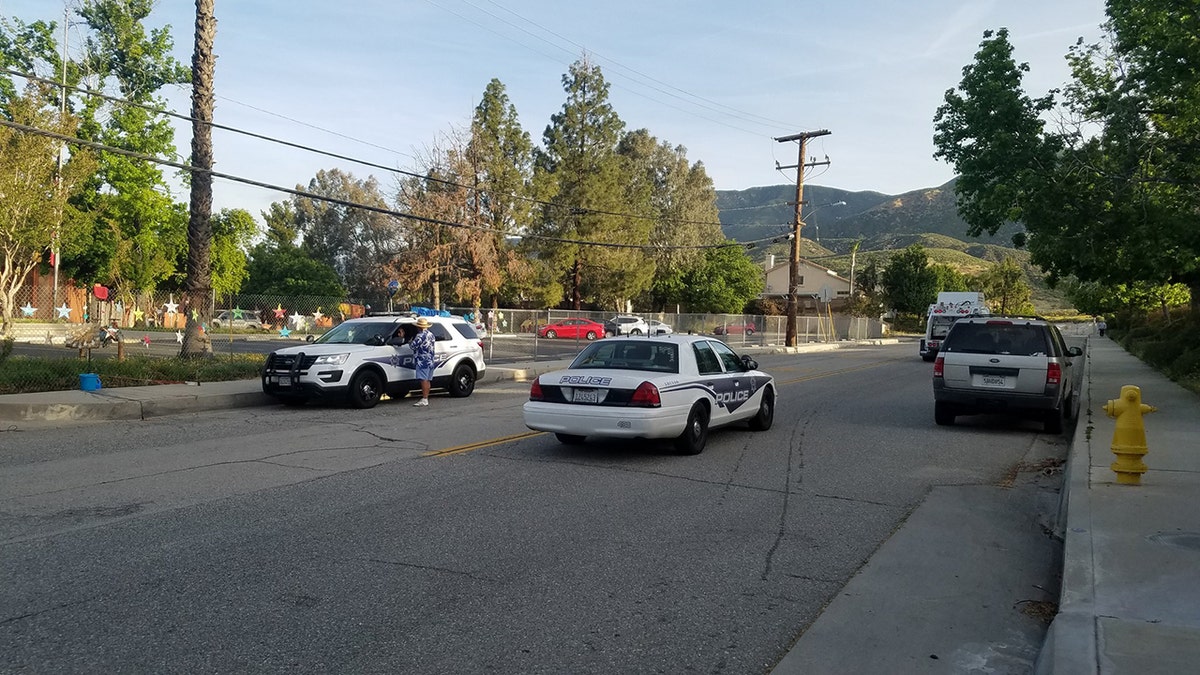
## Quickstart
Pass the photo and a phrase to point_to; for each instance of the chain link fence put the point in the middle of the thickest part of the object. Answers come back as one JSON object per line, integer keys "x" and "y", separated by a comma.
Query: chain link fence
{"x": 90, "y": 323}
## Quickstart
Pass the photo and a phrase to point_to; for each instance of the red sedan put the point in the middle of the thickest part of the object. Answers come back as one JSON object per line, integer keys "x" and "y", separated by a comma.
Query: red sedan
{"x": 572, "y": 328}
{"x": 735, "y": 329}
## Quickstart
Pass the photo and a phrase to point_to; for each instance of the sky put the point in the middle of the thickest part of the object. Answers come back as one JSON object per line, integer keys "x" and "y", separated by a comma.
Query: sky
{"x": 382, "y": 80}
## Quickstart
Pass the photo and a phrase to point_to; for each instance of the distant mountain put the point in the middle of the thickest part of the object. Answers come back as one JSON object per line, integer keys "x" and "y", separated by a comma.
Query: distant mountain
{"x": 835, "y": 219}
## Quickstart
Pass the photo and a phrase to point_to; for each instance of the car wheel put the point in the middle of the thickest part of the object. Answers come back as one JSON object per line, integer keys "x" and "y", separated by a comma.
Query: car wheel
{"x": 928, "y": 358}
{"x": 1053, "y": 422}
{"x": 462, "y": 383}
{"x": 636, "y": 331}
{"x": 591, "y": 335}
{"x": 365, "y": 389}
{"x": 766, "y": 412}
{"x": 749, "y": 332}
{"x": 943, "y": 414}
{"x": 551, "y": 334}
{"x": 569, "y": 439}
{"x": 695, "y": 434}
{"x": 608, "y": 333}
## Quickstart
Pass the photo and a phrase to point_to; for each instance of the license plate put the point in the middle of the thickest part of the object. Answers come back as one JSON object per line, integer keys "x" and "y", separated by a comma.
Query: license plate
{"x": 587, "y": 396}
{"x": 285, "y": 381}
{"x": 998, "y": 381}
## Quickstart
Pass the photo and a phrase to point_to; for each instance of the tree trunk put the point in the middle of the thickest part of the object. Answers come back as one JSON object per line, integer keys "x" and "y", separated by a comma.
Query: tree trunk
{"x": 198, "y": 288}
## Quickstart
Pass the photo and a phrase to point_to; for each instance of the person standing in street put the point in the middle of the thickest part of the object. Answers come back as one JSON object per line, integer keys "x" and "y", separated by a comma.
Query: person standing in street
{"x": 423, "y": 358}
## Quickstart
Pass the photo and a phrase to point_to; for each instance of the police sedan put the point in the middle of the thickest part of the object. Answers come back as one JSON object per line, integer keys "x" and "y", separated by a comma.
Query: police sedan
{"x": 665, "y": 386}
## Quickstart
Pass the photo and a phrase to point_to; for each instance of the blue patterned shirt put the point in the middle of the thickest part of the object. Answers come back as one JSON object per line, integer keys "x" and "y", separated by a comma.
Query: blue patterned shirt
{"x": 422, "y": 348}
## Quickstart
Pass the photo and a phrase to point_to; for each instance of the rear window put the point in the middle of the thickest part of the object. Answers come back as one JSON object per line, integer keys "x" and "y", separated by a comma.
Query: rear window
{"x": 997, "y": 338}
{"x": 465, "y": 329}
{"x": 660, "y": 357}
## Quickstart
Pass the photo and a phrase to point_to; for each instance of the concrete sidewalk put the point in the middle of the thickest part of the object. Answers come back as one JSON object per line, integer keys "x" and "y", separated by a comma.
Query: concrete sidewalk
{"x": 1130, "y": 599}
{"x": 1130, "y": 594}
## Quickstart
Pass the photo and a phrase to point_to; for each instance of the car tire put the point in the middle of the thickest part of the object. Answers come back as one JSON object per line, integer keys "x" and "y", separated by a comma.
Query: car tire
{"x": 928, "y": 358}
{"x": 462, "y": 382}
{"x": 608, "y": 334}
{"x": 591, "y": 335}
{"x": 695, "y": 434}
{"x": 749, "y": 332}
{"x": 943, "y": 414}
{"x": 636, "y": 331}
{"x": 365, "y": 389}
{"x": 766, "y": 412}
{"x": 569, "y": 439}
{"x": 1053, "y": 421}
{"x": 551, "y": 334}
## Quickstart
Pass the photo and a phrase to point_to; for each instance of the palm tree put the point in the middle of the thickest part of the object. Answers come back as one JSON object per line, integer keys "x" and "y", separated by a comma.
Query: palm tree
{"x": 198, "y": 288}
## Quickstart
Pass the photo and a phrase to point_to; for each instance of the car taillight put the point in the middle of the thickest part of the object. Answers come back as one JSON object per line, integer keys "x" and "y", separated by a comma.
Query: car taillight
{"x": 939, "y": 367}
{"x": 1053, "y": 373}
{"x": 646, "y": 396}
{"x": 535, "y": 392}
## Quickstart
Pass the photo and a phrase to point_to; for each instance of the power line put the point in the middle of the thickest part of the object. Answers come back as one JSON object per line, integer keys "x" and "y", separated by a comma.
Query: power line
{"x": 306, "y": 148}
{"x": 365, "y": 207}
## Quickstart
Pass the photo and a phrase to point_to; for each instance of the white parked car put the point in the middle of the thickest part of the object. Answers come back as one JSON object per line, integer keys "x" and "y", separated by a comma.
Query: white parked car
{"x": 362, "y": 359}
{"x": 659, "y": 328}
{"x": 669, "y": 386}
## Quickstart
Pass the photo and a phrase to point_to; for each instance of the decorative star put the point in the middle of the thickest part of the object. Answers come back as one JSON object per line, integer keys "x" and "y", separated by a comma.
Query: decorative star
{"x": 317, "y": 315}
{"x": 195, "y": 315}
{"x": 285, "y": 331}
{"x": 146, "y": 341}
{"x": 237, "y": 312}
{"x": 64, "y": 312}
{"x": 172, "y": 307}
{"x": 297, "y": 319}
{"x": 137, "y": 315}
{"x": 28, "y": 309}
{"x": 179, "y": 337}
{"x": 280, "y": 312}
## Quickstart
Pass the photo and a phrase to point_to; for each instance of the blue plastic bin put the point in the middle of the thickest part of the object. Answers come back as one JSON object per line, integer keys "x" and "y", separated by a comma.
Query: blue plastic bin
{"x": 89, "y": 381}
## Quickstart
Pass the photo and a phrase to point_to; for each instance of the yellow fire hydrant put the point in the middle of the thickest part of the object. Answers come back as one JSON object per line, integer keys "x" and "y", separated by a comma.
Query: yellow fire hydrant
{"x": 1129, "y": 435}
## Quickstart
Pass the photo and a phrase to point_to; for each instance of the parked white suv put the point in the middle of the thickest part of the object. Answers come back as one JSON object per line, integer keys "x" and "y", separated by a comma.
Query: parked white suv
{"x": 626, "y": 324}
{"x": 1007, "y": 365}
{"x": 362, "y": 359}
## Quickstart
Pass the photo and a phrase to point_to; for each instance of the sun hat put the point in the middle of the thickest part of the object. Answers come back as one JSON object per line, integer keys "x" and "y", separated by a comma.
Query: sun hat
{"x": 423, "y": 323}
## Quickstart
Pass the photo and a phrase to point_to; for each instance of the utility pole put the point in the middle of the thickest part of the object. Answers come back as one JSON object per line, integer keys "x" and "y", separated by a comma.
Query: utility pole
{"x": 797, "y": 224}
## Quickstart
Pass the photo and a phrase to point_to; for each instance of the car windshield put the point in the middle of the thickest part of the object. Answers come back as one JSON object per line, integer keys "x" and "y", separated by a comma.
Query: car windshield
{"x": 660, "y": 357}
{"x": 356, "y": 333}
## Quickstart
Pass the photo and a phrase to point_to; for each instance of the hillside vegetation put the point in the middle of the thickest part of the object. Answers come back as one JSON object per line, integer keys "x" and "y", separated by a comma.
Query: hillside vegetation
{"x": 882, "y": 223}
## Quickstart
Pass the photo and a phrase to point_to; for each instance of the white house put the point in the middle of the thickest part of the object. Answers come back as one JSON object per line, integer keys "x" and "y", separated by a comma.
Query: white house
{"x": 816, "y": 282}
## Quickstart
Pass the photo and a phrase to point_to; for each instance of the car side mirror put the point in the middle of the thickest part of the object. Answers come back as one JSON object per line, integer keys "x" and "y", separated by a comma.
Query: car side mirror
{"x": 749, "y": 363}
{"x": 1074, "y": 351}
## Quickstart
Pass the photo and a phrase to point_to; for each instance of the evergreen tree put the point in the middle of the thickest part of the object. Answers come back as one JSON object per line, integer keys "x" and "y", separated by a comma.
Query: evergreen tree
{"x": 909, "y": 285}
{"x": 579, "y": 171}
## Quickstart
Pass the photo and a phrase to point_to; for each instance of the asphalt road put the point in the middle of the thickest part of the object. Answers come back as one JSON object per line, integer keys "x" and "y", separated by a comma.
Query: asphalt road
{"x": 451, "y": 539}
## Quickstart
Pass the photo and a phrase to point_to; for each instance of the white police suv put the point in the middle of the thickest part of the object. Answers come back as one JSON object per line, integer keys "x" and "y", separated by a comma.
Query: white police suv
{"x": 362, "y": 359}
{"x": 666, "y": 386}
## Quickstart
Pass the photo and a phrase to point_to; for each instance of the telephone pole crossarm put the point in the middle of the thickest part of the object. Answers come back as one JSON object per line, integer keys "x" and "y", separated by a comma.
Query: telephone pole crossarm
{"x": 797, "y": 224}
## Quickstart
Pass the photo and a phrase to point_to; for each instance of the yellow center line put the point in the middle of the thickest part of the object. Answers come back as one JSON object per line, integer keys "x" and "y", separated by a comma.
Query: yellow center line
{"x": 835, "y": 372}
{"x": 482, "y": 444}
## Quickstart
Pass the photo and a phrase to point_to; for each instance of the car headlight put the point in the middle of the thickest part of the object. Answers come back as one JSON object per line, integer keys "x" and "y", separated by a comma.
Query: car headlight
{"x": 331, "y": 360}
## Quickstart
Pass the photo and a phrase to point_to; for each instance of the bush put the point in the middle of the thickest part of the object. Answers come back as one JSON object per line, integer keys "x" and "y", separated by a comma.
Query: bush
{"x": 24, "y": 375}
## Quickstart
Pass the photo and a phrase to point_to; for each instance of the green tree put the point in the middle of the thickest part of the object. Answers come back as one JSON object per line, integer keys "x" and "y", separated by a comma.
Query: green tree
{"x": 909, "y": 285}
{"x": 282, "y": 230}
{"x": 289, "y": 271}
{"x": 32, "y": 207}
{"x": 1005, "y": 288}
{"x": 949, "y": 279}
{"x": 680, "y": 198}
{"x": 130, "y": 196}
{"x": 1112, "y": 199}
{"x": 579, "y": 171}
{"x": 726, "y": 282}
{"x": 233, "y": 230}
{"x": 355, "y": 242}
